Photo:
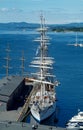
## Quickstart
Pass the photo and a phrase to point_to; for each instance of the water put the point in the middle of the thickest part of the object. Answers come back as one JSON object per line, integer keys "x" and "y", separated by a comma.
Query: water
{"x": 68, "y": 67}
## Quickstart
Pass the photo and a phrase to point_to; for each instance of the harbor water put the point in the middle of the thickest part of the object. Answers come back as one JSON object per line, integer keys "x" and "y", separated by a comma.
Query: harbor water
{"x": 68, "y": 67}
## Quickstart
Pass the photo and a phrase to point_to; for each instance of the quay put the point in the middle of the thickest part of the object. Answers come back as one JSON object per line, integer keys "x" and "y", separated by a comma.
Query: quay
{"x": 14, "y": 104}
{"x": 14, "y": 95}
{"x": 25, "y": 126}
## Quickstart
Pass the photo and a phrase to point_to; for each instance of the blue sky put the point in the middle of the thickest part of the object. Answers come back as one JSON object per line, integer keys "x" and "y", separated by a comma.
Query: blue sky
{"x": 55, "y": 11}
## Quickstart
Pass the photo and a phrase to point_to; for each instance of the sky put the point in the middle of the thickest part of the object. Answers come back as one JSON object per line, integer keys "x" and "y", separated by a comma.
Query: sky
{"x": 54, "y": 11}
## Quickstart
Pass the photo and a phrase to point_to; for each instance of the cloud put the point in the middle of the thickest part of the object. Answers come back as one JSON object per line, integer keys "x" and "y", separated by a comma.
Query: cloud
{"x": 4, "y": 9}
{"x": 17, "y": 10}
{"x": 10, "y": 9}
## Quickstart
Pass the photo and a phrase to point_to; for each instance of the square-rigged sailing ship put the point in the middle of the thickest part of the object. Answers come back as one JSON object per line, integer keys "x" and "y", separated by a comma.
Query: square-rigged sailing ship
{"x": 43, "y": 100}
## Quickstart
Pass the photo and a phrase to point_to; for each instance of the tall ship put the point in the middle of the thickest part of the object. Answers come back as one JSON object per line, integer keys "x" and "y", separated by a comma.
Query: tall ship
{"x": 43, "y": 100}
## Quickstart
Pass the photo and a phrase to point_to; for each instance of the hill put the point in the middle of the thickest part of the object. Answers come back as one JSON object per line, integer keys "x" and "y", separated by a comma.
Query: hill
{"x": 18, "y": 26}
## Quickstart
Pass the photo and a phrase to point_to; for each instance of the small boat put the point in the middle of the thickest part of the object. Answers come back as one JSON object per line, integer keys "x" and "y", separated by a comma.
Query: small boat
{"x": 43, "y": 101}
{"x": 76, "y": 121}
{"x": 76, "y": 44}
{"x": 80, "y": 45}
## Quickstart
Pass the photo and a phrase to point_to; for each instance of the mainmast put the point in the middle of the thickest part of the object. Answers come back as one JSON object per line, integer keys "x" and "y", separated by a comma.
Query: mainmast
{"x": 43, "y": 61}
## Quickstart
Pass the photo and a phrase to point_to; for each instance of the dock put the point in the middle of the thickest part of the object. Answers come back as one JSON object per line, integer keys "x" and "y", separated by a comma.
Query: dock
{"x": 25, "y": 126}
{"x": 13, "y": 94}
{"x": 14, "y": 104}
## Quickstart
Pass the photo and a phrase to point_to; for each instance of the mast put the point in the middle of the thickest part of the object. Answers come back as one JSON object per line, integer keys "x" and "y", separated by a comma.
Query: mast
{"x": 76, "y": 39}
{"x": 43, "y": 61}
{"x": 22, "y": 63}
{"x": 7, "y": 58}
